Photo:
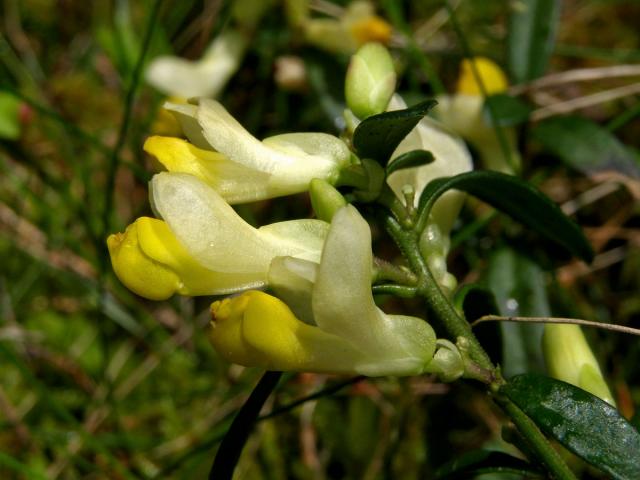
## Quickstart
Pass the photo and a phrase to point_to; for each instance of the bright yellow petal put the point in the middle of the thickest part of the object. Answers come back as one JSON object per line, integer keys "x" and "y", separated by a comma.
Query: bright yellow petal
{"x": 258, "y": 330}
{"x": 233, "y": 181}
{"x": 140, "y": 273}
{"x": 493, "y": 78}
{"x": 151, "y": 262}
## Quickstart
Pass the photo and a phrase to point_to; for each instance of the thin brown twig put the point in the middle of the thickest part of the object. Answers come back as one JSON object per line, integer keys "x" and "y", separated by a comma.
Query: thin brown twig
{"x": 564, "y": 320}
{"x": 577, "y": 75}
{"x": 585, "y": 101}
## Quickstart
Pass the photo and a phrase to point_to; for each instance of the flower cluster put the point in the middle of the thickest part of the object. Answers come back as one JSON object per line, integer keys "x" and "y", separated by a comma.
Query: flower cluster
{"x": 323, "y": 317}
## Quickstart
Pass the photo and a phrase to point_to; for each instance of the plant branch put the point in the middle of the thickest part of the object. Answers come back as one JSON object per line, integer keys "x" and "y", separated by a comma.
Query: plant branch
{"x": 456, "y": 326}
{"x": 536, "y": 440}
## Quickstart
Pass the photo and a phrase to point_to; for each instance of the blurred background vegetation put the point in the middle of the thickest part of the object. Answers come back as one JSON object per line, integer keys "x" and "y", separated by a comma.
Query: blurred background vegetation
{"x": 96, "y": 382}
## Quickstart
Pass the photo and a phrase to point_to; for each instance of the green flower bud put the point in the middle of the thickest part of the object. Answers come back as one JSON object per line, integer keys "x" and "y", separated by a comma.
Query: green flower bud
{"x": 569, "y": 358}
{"x": 325, "y": 199}
{"x": 371, "y": 80}
{"x": 447, "y": 362}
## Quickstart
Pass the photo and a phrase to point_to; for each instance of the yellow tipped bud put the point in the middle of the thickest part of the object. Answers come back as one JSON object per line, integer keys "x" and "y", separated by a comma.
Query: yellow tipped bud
{"x": 493, "y": 78}
{"x": 569, "y": 358}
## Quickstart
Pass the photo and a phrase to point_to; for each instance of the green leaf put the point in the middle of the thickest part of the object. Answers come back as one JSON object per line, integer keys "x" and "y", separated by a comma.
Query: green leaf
{"x": 516, "y": 198}
{"x": 414, "y": 158}
{"x": 519, "y": 287}
{"x": 378, "y": 136}
{"x": 9, "y": 116}
{"x": 532, "y": 31}
{"x": 479, "y": 462}
{"x": 231, "y": 447}
{"x": 586, "y": 147}
{"x": 584, "y": 424}
{"x": 507, "y": 110}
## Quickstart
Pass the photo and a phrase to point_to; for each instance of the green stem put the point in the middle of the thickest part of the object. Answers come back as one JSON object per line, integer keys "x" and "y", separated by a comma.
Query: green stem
{"x": 390, "y": 272}
{"x": 395, "y": 290}
{"x": 114, "y": 159}
{"x": 456, "y": 326}
{"x": 536, "y": 441}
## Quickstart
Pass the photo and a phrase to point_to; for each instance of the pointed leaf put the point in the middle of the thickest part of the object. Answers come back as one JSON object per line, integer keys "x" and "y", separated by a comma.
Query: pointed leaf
{"x": 516, "y": 198}
{"x": 479, "y": 462}
{"x": 519, "y": 286}
{"x": 583, "y": 423}
{"x": 378, "y": 136}
{"x": 532, "y": 31}
{"x": 586, "y": 147}
{"x": 414, "y": 158}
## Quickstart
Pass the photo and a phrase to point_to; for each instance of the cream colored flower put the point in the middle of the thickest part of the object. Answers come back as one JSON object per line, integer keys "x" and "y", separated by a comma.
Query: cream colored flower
{"x": 240, "y": 167}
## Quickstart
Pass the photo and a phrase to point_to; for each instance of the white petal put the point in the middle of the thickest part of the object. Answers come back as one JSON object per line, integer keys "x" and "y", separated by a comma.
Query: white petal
{"x": 186, "y": 115}
{"x": 179, "y": 77}
{"x": 208, "y": 227}
{"x": 298, "y": 238}
{"x": 342, "y": 300}
{"x": 292, "y": 280}
{"x": 216, "y": 235}
{"x": 343, "y": 303}
{"x": 292, "y": 160}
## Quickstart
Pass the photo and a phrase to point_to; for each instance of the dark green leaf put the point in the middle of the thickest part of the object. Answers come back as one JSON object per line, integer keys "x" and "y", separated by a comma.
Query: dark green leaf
{"x": 378, "y": 136}
{"x": 583, "y": 423}
{"x": 231, "y": 447}
{"x": 480, "y": 462}
{"x": 532, "y": 31}
{"x": 585, "y": 146}
{"x": 414, "y": 158}
{"x": 519, "y": 286}
{"x": 507, "y": 110}
{"x": 516, "y": 198}
{"x": 475, "y": 301}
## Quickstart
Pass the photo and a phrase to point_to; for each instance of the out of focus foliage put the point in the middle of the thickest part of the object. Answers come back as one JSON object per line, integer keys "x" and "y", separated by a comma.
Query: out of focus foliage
{"x": 98, "y": 383}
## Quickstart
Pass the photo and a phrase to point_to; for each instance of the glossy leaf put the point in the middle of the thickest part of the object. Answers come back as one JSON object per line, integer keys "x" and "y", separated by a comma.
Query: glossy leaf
{"x": 479, "y": 462}
{"x": 584, "y": 424}
{"x": 508, "y": 111}
{"x": 414, "y": 158}
{"x": 517, "y": 198}
{"x": 378, "y": 136}
{"x": 532, "y": 31}
{"x": 519, "y": 288}
{"x": 586, "y": 147}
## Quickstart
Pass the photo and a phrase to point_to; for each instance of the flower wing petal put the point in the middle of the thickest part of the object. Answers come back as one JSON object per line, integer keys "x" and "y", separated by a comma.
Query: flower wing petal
{"x": 208, "y": 227}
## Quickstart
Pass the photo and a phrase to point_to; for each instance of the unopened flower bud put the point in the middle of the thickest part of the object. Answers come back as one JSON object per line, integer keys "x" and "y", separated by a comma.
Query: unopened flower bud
{"x": 371, "y": 80}
{"x": 569, "y": 358}
{"x": 447, "y": 362}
